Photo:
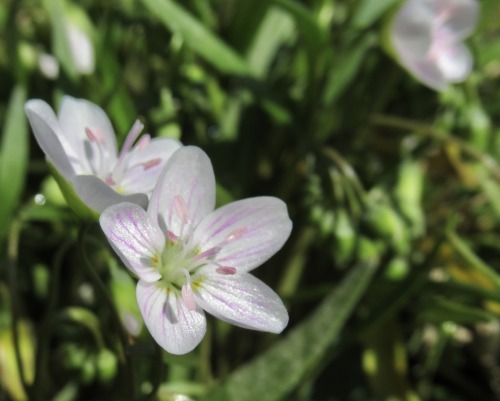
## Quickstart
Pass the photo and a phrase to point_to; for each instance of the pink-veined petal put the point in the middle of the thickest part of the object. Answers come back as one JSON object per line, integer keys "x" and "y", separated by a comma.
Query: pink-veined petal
{"x": 47, "y": 132}
{"x": 173, "y": 326}
{"x": 240, "y": 299}
{"x": 77, "y": 117}
{"x": 248, "y": 232}
{"x": 136, "y": 239}
{"x": 455, "y": 62}
{"x": 145, "y": 163}
{"x": 185, "y": 192}
{"x": 459, "y": 17}
{"x": 98, "y": 195}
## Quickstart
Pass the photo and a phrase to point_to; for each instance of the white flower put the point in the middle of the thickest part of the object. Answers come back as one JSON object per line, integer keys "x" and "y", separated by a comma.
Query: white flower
{"x": 191, "y": 259}
{"x": 81, "y": 49}
{"x": 81, "y": 145}
{"x": 427, "y": 37}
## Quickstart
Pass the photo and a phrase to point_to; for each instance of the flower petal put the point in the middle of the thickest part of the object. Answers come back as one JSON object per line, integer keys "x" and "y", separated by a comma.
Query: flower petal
{"x": 455, "y": 62}
{"x": 47, "y": 132}
{"x": 173, "y": 326}
{"x": 412, "y": 30}
{"x": 459, "y": 16}
{"x": 248, "y": 231}
{"x": 77, "y": 117}
{"x": 98, "y": 195}
{"x": 136, "y": 239}
{"x": 185, "y": 192}
{"x": 240, "y": 299}
{"x": 428, "y": 72}
{"x": 144, "y": 164}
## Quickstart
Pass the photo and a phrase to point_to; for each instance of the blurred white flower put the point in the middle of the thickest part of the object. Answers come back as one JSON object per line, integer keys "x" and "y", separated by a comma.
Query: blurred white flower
{"x": 427, "y": 38}
{"x": 81, "y": 49}
{"x": 48, "y": 65}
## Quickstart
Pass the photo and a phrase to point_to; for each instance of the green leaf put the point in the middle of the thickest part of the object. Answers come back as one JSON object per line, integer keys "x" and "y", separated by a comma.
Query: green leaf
{"x": 13, "y": 157}
{"x": 369, "y": 11}
{"x": 315, "y": 37}
{"x": 198, "y": 37}
{"x": 272, "y": 375}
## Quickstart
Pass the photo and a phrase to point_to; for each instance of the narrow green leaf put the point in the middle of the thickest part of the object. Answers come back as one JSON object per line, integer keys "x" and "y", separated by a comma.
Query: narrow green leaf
{"x": 314, "y": 35}
{"x": 271, "y": 376}
{"x": 13, "y": 157}
{"x": 346, "y": 68}
{"x": 276, "y": 28}
{"x": 369, "y": 11}
{"x": 198, "y": 37}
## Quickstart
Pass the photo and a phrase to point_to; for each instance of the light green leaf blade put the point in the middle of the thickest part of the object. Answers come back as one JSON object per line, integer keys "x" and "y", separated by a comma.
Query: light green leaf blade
{"x": 271, "y": 376}
{"x": 13, "y": 157}
{"x": 198, "y": 37}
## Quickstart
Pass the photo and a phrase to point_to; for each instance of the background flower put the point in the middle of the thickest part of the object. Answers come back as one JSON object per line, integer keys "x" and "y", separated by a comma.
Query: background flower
{"x": 427, "y": 36}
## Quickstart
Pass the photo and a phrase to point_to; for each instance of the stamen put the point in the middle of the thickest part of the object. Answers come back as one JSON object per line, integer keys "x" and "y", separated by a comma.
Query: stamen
{"x": 235, "y": 234}
{"x": 94, "y": 136}
{"x": 108, "y": 180}
{"x": 187, "y": 293}
{"x": 181, "y": 209}
{"x": 226, "y": 270}
{"x": 209, "y": 253}
{"x": 188, "y": 297}
{"x": 131, "y": 137}
{"x": 143, "y": 142}
{"x": 151, "y": 163}
{"x": 172, "y": 237}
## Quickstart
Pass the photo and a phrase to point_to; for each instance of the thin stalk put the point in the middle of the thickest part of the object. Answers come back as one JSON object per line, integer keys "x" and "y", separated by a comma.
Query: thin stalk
{"x": 46, "y": 327}
{"x": 430, "y": 132}
{"x": 12, "y": 255}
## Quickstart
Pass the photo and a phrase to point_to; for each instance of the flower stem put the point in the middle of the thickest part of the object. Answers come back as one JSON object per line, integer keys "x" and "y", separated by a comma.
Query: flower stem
{"x": 433, "y": 133}
{"x": 12, "y": 254}
{"x": 47, "y": 324}
{"x": 106, "y": 298}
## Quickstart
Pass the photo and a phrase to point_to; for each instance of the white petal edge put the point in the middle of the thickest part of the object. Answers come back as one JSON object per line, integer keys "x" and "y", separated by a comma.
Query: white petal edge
{"x": 175, "y": 328}
{"x": 455, "y": 62}
{"x": 98, "y": 195}
{"x": 142, "y": 179}
{"x": 248, "y": 231}
{"x": 136, "y": 239}
{"x": 47, "y": 131}
{"x": 187, "y": 178}
{"x": 240, "y": 299}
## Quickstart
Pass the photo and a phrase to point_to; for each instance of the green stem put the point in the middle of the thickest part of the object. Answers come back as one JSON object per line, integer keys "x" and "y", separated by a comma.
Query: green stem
{"x": 116, "y": 322}
{"x": 12, "y": 254}
{"x": 41, "y": 369}
{"x": 431, "y": 132}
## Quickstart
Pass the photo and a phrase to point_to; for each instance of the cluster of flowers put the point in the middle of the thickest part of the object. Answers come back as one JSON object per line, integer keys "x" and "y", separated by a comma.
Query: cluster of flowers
{"x": 156, "y": 204}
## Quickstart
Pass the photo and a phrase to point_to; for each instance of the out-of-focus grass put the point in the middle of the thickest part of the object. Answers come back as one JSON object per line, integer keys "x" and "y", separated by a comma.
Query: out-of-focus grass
{"x": 391, "y": 274}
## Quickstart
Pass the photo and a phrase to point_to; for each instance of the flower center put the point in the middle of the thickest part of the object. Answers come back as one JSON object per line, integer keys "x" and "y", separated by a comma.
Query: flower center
{"x": 181, "y": 259}
{"x": 122, "y": 167}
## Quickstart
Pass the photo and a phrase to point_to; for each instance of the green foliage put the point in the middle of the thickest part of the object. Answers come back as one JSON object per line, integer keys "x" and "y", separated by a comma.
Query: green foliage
{"x": 391, "y": 275}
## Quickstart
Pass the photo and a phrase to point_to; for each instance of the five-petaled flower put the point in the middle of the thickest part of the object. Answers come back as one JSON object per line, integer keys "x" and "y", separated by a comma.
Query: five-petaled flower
{"x": 190, "y": 258}
{"x": 81, "y": 144}
{"x": 427, "y": 37}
